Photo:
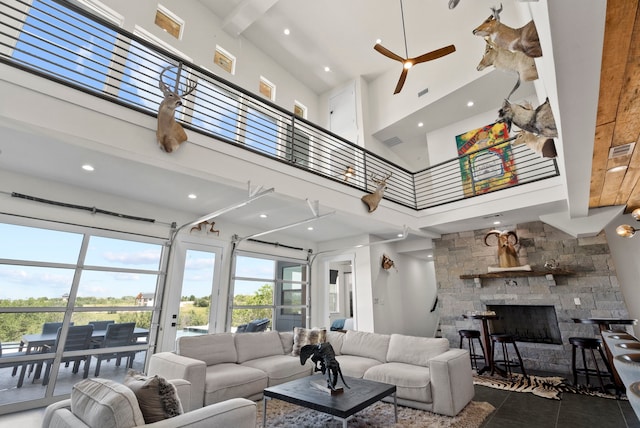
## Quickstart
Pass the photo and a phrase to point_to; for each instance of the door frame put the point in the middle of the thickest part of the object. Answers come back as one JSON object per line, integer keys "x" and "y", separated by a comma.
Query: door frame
{"x": 173, "y": 288}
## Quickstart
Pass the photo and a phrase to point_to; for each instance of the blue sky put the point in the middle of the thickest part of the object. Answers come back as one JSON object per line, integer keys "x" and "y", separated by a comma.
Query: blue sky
{"x": 42, "y": 245}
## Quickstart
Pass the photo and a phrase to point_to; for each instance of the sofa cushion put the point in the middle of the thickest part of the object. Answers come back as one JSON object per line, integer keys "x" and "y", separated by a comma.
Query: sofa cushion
{"x": 281, "y": 368}
{"x": 365, "y": 344}
{"x": 353, "y": 366}
{"x": 224, "y": 381}
{"x": 336, "y": 339}
{"x": 305, "y": 336}
{"x": 415, "y": 350}
{"x": 210, "y": 348}
{"x": 286, "y": 337}
{"x": 157, "y": 398}
{"x": 250, "y": 346}
{"x": 106, "y": 404}
{"x": 412, "y": 382}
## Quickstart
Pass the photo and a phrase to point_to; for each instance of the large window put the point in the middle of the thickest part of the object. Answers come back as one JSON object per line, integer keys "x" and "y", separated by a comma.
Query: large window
{"x": 77, "y": 48}
{"x": 217, "y": 110}
{"x": 261, "y": 132}
{"x": 269, "y": 288}
{"x": 71, "y": 278}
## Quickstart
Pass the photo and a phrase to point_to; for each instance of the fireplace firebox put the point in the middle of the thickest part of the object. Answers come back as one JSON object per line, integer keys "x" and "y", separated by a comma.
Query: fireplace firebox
{"x": 530, "y": 323}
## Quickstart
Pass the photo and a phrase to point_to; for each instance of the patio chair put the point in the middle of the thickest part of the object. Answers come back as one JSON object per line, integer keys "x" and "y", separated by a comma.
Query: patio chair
{"x": 99, "y": 325}
{"x": 47, "y": 328}
{"x": 5, "y": 364}
{"x": 78, "y": 338}
{"x": 258, "y": 325}
{"x": 120, "y": 334}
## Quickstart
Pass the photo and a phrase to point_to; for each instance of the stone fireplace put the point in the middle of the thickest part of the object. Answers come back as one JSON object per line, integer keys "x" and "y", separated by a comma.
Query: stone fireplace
{"x": 586, "y": 287}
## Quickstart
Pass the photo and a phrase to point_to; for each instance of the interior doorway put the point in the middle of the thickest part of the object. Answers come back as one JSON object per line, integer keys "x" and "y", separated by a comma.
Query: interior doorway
{"x": 340, "y": 295}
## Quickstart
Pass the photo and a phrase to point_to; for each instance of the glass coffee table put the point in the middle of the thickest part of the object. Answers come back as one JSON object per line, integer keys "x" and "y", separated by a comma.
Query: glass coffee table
{"x": 301, "y": 392}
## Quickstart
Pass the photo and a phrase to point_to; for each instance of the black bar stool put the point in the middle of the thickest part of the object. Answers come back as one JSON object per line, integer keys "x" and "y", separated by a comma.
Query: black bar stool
{"x": 470, "y": 335}
{"x": 504, "y": 340}
{"x": 592, "y": 344}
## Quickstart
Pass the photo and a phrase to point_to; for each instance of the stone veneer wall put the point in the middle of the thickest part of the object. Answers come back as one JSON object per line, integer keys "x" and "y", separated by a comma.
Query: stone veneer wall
{"x": 594, "y": 282}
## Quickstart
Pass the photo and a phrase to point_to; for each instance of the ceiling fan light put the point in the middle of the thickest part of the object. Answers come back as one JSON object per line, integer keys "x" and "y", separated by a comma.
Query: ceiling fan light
{"x": 408, "y": 65}
{"x": 625, "y": 231}
{"x": 636, "y": 214}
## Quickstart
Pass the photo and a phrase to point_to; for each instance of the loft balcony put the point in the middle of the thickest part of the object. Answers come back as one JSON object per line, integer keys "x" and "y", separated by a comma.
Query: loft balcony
{"x": 67, "y": 46}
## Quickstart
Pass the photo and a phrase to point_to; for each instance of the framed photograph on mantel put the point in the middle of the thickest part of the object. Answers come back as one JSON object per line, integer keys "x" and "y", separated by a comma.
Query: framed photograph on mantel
{"x": 486, "y": 164}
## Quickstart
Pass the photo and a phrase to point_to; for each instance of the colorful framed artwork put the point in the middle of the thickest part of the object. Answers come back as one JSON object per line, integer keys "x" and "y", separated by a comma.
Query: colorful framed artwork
{"x": 486, "y": 164}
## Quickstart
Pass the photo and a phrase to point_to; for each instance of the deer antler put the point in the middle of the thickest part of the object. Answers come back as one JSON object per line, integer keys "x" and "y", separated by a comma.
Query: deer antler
{"x": 496, "y": 13}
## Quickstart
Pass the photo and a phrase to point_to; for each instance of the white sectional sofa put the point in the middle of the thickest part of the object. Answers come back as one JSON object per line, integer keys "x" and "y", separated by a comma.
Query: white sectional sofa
{"x": 428, "y": 374}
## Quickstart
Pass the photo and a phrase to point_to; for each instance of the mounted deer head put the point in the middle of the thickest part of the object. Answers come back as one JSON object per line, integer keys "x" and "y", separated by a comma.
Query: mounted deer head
{"x": 170, "y": 133}
{"x": 373, "y": 199}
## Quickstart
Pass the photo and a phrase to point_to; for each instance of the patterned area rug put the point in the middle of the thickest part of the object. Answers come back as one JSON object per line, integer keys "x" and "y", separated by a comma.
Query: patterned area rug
{"x": 548, "y": 387}
{"x": 281, "y": 414}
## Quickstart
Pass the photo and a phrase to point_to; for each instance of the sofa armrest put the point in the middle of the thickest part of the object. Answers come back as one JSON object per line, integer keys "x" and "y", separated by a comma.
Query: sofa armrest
{"x": 233, "y": 413}
{"x": 451, "y": 381}
{"x": 183, "y": 388}
{"x": 173, "y": 366}
{"x": 51, "y": 409}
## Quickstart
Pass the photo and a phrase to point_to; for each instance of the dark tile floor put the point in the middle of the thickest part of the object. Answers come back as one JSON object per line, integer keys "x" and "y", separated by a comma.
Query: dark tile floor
{"x": 517, "y": 409}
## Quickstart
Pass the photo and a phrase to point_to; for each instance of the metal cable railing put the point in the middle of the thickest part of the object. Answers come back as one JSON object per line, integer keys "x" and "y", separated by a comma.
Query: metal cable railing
{"x": 61, "y": 42}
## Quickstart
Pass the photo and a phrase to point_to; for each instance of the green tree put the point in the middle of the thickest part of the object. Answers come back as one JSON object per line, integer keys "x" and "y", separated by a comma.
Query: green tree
{"x": 262, "y": 297}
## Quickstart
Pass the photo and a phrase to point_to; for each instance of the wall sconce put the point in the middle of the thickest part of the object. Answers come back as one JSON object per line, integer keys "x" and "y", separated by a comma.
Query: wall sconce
{"x": 348, "y": 173}
{"x": 626, "y": 231}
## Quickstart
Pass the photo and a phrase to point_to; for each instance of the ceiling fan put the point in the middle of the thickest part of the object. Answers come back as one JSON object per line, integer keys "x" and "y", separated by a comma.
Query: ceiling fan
{"x": 407, "y": 62}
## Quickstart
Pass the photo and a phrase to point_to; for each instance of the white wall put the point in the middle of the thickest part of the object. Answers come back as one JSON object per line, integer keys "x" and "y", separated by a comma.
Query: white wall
{"x": 202, "y": 31}
{"x": 403, "y": 296}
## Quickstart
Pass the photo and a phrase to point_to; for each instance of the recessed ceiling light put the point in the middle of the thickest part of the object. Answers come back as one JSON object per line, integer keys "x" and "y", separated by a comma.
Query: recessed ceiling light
{"x": 470, "y": 103}
{"x": 192, "y": 196}
{"x": 263, "y": 216}
{"x": 88, "y": 167}
{"x": 496, "y": 222}
{"x": 310, "y": 228}
{"x": 420, "y": 125}
{"x": 327, "y": 69}
{"x": 378, "y": 41}
{"x": 430, "y": 255}
{"x": 617, "y": 168}
{"x": 287, "y": 32}
{"x": 400, "y": 235}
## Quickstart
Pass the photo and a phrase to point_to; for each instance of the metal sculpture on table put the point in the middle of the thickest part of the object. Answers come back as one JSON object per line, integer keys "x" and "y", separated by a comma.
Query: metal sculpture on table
{"x": 324, "y": 358}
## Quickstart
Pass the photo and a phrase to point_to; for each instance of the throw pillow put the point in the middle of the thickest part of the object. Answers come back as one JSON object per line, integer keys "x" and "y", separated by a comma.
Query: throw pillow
{"x": 157, "y": 398}
{"x": 305, "y": 336}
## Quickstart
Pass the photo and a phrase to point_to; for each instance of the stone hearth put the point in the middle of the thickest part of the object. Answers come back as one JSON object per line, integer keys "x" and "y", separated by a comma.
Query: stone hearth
{"x": 594, "y": 285}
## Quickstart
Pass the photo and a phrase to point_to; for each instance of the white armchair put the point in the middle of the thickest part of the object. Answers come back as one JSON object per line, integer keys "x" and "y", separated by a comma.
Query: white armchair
{"x": 113, "y": 405}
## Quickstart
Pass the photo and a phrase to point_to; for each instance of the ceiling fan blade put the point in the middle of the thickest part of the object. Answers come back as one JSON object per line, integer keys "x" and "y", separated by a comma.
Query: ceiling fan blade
{"x": 386, "y": 52}
{"x": 434, "y": 54}
{"x": 403, "y": 77}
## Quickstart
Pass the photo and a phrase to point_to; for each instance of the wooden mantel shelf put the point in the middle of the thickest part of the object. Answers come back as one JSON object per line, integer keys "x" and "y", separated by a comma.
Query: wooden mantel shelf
{"x": 549, "y": 274}
{"x": 517, "y": 273}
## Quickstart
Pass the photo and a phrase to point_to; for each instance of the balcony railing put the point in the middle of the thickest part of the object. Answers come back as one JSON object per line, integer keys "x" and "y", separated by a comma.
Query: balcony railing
{"x": 61, "y": 42}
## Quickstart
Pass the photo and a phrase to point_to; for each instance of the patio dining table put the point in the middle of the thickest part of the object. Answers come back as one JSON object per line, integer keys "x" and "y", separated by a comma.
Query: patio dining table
{"x": 31, "y": 342}
{"x": 38, "y": 340}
